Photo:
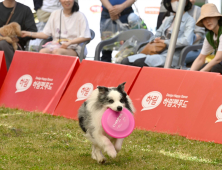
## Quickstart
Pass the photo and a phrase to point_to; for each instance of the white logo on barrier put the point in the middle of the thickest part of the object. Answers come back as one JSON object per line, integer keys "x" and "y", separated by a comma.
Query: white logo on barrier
{"x": 84, "y": 91}
{"x": 23, "y": 83}
{"x": 42, "y": 83}
{"x": 175, "y": 101}
{"x": 151, "y": 100}
{"x": 219, "y": 114}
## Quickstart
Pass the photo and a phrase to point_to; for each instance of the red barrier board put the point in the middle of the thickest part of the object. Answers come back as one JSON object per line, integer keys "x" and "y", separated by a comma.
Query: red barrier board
{"x": 90, "y": 75}
{"x": 166, "y": 99}
{"x": 208, "y": 124}
{"x": 3, "y": 68}
{"x": 36, "y": 82}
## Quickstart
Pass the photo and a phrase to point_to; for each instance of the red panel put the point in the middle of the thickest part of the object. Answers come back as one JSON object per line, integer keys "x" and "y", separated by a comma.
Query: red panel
{"x": 168, "y": 98}
{"x": 208, "y": 124}
{"x": 90, "y": 75}
{"x": 3, "y": 68}
{"x": 195, "y": 86}
{"x": 36, "y": 81}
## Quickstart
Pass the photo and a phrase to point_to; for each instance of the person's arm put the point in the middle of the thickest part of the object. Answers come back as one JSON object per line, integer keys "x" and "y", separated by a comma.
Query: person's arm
{"x": 217, "y": 59}
{"x": 39, "y": 35}
{"x": 198, "y": 37}
{"x": 188, "y": 35}
{"x": 198, "y": 63}
{"x": 28, "y": 25}
{"x": 160, "y": 30}
{"x": 200, "y": 60}
{"x": 107, "y": 4}
{"x": 109, "y": 7}
{"x": 117, "y": 9}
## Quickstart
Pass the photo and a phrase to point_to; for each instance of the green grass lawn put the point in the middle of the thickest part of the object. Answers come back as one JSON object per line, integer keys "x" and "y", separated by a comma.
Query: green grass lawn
{"x": 40, "y": 141}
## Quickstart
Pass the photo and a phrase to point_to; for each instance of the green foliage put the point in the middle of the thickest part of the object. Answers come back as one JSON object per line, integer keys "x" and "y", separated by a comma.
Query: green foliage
{"x": 40, "y": 141}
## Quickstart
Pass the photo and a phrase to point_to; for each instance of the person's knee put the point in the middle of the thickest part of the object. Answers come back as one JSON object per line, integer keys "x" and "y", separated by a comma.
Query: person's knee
{"x": 140, "y": 62}
{"x": 217, "y": 69}
{"x": 42, "y": 51}
{"x": 45, "y": 50}
{"x": 57, "y": 51}
{"x": 125, "y": 61}
{"x": 3, "y": 44}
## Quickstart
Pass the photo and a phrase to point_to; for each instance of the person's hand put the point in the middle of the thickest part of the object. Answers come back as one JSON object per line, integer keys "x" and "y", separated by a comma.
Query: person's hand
{"x": 25, "y": 34}
{"x": 158, "y": 40}
{"x": 112, "y": 15}
{"x": 116, "y": 10}
{"x": 65, "y": 45}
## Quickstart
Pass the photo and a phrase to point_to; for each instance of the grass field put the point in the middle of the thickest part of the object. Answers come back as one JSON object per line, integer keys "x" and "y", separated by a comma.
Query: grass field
{"x": 41, "y": 141}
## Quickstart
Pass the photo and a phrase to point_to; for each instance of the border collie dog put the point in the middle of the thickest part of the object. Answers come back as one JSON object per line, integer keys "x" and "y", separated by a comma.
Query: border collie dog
{"x": 90, "y": 115}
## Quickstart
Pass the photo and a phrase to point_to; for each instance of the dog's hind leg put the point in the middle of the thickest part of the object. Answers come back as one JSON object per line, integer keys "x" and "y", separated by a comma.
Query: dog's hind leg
{"x": 118, "y": 144}
{"x": 97, "y": 154}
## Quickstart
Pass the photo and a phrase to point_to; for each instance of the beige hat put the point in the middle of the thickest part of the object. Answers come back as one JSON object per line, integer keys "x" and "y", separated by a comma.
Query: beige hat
{"x": 207, "y": 10}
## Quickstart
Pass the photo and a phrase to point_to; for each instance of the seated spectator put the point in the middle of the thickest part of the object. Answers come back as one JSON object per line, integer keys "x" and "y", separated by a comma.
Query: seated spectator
{"x": 43, "y": 8}
{"x": 199, "y": 32}
{"x": 24, "y": 17}
{"x": 211, "y": 19}
{"x": 67, "y": 26}
{"x": 185, "y": 37}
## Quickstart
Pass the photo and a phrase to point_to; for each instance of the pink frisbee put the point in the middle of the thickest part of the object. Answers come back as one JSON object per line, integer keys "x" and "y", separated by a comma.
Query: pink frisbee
{"x": 118, "y": 124}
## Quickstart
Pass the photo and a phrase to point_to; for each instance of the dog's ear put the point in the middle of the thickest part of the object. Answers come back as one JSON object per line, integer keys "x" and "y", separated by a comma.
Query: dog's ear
{"x": 121, "y": 87}
{"x": 102, "y": 89}
{"x": 17, "y": 28}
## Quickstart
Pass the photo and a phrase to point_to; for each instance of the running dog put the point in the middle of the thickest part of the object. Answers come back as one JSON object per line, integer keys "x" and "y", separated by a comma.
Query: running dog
{"x": 90, "y": 115}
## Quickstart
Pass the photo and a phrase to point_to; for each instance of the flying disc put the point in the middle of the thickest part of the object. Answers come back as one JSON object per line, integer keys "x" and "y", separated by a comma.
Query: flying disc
{"x": 118, "y": 124}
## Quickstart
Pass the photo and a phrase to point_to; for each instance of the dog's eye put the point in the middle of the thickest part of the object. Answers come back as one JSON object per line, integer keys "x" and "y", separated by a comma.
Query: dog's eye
{"x": 111, "y": 101}
{"x": 121, "y": 100}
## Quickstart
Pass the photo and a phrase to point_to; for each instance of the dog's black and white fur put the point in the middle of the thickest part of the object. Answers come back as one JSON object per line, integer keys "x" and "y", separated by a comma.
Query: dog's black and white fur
{"x": 90, "y": 115}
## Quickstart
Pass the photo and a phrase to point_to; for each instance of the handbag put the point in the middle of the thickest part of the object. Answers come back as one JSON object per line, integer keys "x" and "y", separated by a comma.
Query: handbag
{"x": 153, "y": 48}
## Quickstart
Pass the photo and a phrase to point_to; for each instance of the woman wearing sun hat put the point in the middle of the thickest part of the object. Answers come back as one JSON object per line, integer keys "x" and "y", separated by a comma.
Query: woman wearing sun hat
{"x": 211, "y": 19}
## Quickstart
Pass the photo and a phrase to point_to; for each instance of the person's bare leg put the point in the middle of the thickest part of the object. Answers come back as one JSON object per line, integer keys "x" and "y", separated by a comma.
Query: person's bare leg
{"x": 45, "y": 50}
{"x": 62, "y": 51}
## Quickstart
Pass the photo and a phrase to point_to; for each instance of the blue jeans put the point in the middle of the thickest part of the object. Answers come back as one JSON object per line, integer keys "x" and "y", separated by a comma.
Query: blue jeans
{"x": 191, "y": 56}
{"x": 106, "y": 54}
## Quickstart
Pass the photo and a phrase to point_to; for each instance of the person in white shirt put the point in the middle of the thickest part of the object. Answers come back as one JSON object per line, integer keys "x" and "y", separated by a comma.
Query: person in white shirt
{"x": 67, "y": 26}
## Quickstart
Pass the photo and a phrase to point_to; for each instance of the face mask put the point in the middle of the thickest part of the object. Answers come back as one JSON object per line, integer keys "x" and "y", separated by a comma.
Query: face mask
{"x": 175, "y": 5}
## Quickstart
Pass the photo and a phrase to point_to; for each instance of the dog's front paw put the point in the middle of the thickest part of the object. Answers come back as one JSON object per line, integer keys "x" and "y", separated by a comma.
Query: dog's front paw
{"x": 101, "y": 160}
{"x": 112, "y": 153}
